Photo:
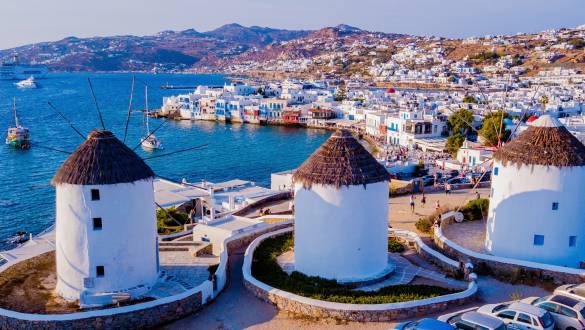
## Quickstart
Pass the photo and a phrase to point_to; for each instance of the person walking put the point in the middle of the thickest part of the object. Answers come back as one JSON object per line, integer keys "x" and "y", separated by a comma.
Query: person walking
{"x": 437, "y": 205}
{"x": 423, "y": 200}
{"x": 412, "y": 203}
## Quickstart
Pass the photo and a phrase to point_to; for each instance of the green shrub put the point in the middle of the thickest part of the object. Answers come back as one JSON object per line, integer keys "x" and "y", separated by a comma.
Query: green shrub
{"x": 394, "y": 246}
{"x": 476, "y": 209}
{"x": 165, "y": 224}
{"x": 266, "y": 269}
{"x": 424, "y": 225}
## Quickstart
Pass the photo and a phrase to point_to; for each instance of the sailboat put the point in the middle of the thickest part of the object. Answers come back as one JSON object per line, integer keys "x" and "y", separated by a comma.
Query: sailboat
{"x": 18, "y": 137}
{"x": 149, "y": 141}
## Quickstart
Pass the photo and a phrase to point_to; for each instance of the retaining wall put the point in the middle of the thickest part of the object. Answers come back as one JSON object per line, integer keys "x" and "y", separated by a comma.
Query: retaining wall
{"x": 142, "y": 315}
{"x": 508, "y": 269}
{"x": 354, "y": 312}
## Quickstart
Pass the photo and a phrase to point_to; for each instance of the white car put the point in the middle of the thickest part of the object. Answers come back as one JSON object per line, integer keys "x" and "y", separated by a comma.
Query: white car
{"x": 519, "y": 315}
{"x": 472, "y": 320}
{"x": 568, "y": 312}
{"x": 576, "y": 291}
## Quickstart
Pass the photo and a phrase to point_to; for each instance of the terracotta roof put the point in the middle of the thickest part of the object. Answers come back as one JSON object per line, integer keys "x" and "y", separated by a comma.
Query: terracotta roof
{"x": 341, "y": 161}
{"x": 102, "y": 159}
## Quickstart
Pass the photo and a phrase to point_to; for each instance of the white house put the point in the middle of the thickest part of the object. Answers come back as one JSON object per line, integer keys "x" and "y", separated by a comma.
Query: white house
{"x": 341, "y": 212}
{"x": 412, "y": 125}
{"x": 536, "y": 205}
{"x": 106, "y": 240}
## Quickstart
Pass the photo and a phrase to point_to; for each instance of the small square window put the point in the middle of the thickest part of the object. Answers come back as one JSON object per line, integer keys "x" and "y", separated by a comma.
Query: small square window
{"x": 97, "y": 223}
{"x": 100, "y": 271}
{"x": 496, "y": 170}
{"x": 538, "y": 240}
{"x": 95, "y": 194}
{"x": 555, "y": 206}
{"x": 572, "y": 241}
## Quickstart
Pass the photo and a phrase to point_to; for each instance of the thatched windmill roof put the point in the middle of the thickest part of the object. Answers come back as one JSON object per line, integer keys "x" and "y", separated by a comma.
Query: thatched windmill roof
{"x": 102, "y": 159}
{"x": 545, "y": 142}
{"x": 341, "y": 161}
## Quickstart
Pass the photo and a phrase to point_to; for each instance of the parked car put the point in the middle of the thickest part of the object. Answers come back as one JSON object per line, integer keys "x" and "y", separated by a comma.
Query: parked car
{"x": 472, "y": 320}
{"x": 458, "y": 180}
{"x": 452, "y": 173}
{"x": 482, "y": 177}
{"x": 568, "y": 312}
{"x": 424, "y": 324}
{"x": 520, "y": 315}
{"x": 576, "y": 291}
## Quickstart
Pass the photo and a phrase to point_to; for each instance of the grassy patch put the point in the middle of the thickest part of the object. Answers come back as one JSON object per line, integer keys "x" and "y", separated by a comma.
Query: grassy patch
{"x": 170, "y": 220}
{"x": 476, "y": 209}
{"x": 266, "y": 269}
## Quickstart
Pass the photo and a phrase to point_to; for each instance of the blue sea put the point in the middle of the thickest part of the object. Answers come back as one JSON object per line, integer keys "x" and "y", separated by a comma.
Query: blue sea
{"x": 244, "y": 151}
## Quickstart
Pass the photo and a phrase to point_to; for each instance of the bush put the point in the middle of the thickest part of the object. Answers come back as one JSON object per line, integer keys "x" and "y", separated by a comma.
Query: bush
{"x": 165, "y": 224}
{"x": 394, "y": 246}
{"x": 266, "y": 269}
{"x": 425, "y": 224}
{"x": 476, "y": 209}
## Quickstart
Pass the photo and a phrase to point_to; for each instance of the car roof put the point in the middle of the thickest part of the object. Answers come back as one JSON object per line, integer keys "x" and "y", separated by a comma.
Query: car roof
{"x": 564, "y": 300}
{"x": 482, "y": 319}
{"x": 432, "y": 324}
{"x": 526, "y": 308}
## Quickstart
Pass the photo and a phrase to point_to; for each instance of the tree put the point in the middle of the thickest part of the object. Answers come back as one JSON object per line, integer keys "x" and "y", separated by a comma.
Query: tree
{"x": 492, "y": 124}
{"x": 454, "y": 142}
{"x": 460, "y": 121}
{"x": 469, "y": 99}
{"x": 544, "y": 101}
{"x": 341, "y": 92}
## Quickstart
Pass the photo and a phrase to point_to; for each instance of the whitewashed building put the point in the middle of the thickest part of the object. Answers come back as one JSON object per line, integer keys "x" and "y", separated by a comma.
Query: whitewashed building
{"x": 106, "y": 240}
{"x": 536, "y": 205}
{"x": 341, "y": 212}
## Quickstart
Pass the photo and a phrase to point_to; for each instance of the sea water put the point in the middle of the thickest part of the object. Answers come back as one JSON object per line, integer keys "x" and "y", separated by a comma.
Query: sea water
{"x": 243, "y": 151}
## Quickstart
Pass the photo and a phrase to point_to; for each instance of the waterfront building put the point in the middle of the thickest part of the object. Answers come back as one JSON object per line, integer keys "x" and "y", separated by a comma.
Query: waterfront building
{"x": 536, "y": 208}
{"x": 106, "y": 240}
{"x": 341, "y": 212}
{"x": 411, "y": 126}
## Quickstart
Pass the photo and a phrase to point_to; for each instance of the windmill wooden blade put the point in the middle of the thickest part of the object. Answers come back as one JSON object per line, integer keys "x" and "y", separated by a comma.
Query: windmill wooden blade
{"x": 129, "y": 110}
{"x": 96, "y": 103}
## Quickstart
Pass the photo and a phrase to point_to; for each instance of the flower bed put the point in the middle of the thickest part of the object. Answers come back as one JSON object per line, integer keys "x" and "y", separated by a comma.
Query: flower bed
{"x": 266, "y": 269}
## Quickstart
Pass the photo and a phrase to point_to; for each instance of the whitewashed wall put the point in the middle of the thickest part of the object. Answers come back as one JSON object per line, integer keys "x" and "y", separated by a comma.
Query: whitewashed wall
{"x": 521, "y": 207}
{"x": 125, "y": 246}
{"x": 341, "y": 233}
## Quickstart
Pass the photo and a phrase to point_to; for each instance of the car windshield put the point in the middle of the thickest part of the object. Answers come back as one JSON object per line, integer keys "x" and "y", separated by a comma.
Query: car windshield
{"x": 546, "y": 320}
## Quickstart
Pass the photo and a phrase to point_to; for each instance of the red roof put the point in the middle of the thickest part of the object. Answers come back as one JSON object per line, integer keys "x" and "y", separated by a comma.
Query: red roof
{"x": 531, "y": 119}
{"x": 390, "y": 90}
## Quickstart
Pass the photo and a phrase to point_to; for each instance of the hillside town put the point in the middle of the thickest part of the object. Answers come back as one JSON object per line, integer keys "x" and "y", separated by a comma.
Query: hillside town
{"x": 441, "y": 188}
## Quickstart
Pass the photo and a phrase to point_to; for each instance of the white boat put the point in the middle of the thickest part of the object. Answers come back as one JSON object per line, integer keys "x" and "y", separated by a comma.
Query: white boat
{"x": 12, "y": 70}
{"x": 149, "y": 141}
{"x": 27, "y": 83}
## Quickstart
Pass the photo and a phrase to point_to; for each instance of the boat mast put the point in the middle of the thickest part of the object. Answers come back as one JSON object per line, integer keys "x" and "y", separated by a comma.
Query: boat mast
{"x": 146, "y": 102}
{"x": 14, "y": 109}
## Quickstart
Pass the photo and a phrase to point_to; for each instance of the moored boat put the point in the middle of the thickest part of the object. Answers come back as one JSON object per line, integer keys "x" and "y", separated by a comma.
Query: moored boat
{"x": 18, "y": 136}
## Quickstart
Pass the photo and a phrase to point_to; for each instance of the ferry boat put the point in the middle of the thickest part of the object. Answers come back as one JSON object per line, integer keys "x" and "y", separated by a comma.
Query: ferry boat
{"x": 149, "y": 141}
{"x": 13, "y": 70}
{"x": 18, "y": 137}
{"x": 27, "y": 83}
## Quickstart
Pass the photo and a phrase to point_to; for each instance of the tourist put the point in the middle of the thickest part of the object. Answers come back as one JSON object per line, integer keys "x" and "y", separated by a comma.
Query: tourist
{"x": 192, "y": 215}
{"x": 437, "y": 205}
{"x": 412, "y": 203}
{"x": 423, "y": 200}
{"x": 477, "y": 195}
{"x": 447, "y": 189}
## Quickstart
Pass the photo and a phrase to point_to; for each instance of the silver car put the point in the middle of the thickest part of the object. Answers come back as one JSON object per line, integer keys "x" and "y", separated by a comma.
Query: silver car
{"x": 519, "y": 315}
{"x": 472, "y": 320}
{"x": 568, "y": 312}
{"x": 576, "y": 291}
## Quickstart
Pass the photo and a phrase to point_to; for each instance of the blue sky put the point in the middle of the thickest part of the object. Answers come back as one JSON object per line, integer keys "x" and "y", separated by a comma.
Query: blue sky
{"x": 23, "y": 22}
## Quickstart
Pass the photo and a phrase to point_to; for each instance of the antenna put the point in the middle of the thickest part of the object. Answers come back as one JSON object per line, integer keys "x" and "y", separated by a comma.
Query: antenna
{"x": 129, "y": 109}
{"x": 149, "y": 134}
{"x": 66, "y": 120}
{"x": 176, "y": 152}
{"x": 96, "y": 103}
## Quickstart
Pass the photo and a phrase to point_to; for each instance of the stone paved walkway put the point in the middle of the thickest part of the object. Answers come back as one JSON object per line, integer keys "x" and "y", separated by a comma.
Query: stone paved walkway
{"x": 468, "y": 234}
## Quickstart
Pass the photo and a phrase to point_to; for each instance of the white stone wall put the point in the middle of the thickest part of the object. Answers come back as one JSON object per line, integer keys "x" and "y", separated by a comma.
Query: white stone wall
{"x": 521, "y": 206}
{"x": 125, "y": 246}
{"x": 341, "y": 233}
